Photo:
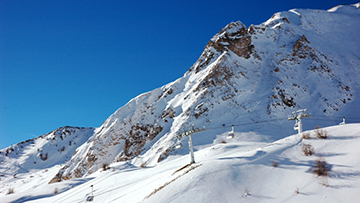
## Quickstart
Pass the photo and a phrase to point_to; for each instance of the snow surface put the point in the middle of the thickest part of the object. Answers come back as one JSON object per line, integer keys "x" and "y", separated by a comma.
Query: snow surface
{"x": 239, "y": 170}
{"x": 299, "y": 59}
{"x": 28, "y": 165}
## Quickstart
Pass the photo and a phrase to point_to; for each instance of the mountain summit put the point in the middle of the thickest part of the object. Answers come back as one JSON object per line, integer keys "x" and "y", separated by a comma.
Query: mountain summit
{"x": 251, "y": 77}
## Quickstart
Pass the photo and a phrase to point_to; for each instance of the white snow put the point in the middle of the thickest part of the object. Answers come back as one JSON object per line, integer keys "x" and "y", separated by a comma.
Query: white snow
{"x": 220, "y": 89}
{"x": 240, "y": 169}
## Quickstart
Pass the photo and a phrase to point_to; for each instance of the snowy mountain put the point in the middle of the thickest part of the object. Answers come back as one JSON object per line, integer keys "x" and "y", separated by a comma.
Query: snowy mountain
{"x": 296, "y": 59}
{"x": 252, "y": 78}
{"x": 54, "y": 148}
{"x": 51, "y": 150}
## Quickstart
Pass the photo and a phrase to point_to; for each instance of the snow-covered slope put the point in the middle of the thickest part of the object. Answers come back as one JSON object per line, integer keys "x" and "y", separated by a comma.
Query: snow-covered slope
{"x": 245, "y": 76}
{"x": 242, "y": 169}
{"x": 252, "y": 78}
{"x": 23, "y": 160}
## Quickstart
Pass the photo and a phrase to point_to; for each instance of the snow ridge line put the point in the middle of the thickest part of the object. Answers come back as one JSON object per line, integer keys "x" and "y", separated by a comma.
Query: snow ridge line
{"x": 167, "y": 183}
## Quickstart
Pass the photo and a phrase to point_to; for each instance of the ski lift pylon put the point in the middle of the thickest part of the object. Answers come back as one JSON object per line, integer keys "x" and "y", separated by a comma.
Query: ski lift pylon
{"x": 90, "y": 197}
{"x": 231, "y": 133}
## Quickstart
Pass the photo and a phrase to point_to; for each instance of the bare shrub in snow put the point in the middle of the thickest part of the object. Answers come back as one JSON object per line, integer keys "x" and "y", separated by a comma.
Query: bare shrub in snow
{"x": 223, "y": 142}
{"x": 10, "y": 191}
{"x": 306, "y": 136}
{"x": 321, "y": 167}
{"x": 105, "y": 166}
{"x": 275, "y": 164}
{"x": 297, "y": 191}
{"x": 56, "y": 190}
{"x": 320, "y": 133}
{"x": 143, "y": 164}
{"x": 307, "y": 149}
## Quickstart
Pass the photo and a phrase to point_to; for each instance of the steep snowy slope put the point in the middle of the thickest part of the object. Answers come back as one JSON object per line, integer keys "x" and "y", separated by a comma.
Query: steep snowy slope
{"x": 242, "y": 170}
{"x": 245, "y": 76}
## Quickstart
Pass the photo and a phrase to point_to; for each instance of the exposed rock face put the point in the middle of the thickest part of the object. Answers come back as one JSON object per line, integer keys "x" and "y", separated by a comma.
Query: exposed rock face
{"x": 136, "y": 140}
{"x": 300, "y": 47}
{"x": 243, "y": 76}
{"x": 217, "y": 76}
{"x": 234, "y": 37}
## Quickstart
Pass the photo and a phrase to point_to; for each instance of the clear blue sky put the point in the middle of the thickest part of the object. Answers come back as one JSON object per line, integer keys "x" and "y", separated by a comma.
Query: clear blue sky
{"x": 76, "y": 62}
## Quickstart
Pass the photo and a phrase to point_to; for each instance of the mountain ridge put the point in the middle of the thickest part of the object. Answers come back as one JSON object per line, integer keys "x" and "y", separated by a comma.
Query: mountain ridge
{"x": 245, "y": 75}
{"x": 235, "y": 71}
{"x": 48, "y": 150}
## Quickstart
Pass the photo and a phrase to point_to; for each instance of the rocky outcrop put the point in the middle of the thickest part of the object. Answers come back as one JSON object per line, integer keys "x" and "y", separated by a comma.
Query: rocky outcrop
{"x": 136, "y": 140}
{"x": 234, "y": 37}
{"x": 301, "y": 48}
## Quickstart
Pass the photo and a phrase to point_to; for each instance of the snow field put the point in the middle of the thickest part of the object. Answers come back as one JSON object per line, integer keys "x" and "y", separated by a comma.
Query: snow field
{"x": 236, "y": 171}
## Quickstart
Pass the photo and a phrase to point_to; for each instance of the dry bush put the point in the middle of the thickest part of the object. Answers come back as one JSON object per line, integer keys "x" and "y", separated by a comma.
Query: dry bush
{"x": 321, "y": 167}
{"x": 223, "y": 142}
{"x": 307, "y": 149}
{"x": 105, "y": 166}
{"x": 320, "y": 133}
{"x": 143, "y": 164}
{"x": 275, "y": 164}
{"x": 56, "y": 190}
{"x": 297, "y": 191}
{"x": 10, "y": 191}
{"x": 306, "y": 136}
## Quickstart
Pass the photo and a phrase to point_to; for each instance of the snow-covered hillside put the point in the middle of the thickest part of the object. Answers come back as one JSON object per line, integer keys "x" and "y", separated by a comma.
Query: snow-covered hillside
{"x": 252, "y": 78}
{"x": 242, "y": 169}
{"x": 24, "y": 160}
{"x": 296, "y": 59}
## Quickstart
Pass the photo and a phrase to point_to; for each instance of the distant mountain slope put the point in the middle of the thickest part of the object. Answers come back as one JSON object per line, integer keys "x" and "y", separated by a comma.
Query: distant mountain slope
{"x": 297, "y": 59}
{"x": 54, "y": 148}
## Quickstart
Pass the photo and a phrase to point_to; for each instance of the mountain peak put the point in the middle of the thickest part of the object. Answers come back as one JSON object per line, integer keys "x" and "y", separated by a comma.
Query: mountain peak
{"x": 243, "y": 76}
{"x": 234, "y": 37}
{"x": 253, "y": 78}
{"x": 233, "y": 28}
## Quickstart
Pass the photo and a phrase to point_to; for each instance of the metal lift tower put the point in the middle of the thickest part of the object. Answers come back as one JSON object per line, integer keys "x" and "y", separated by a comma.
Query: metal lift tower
{"x": 188, "y": 133}
{"x": 297, "y": 115}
